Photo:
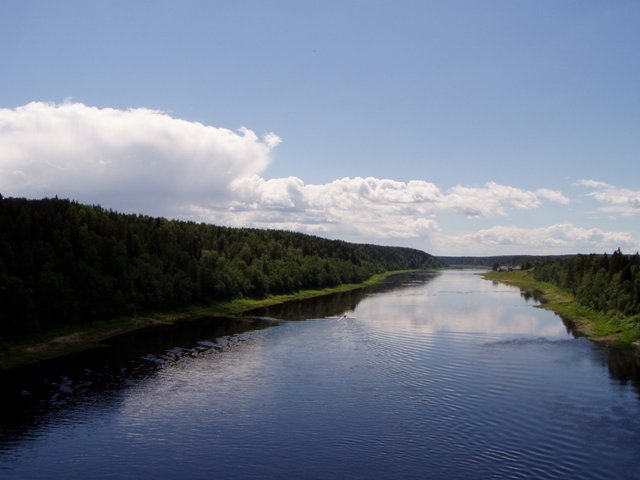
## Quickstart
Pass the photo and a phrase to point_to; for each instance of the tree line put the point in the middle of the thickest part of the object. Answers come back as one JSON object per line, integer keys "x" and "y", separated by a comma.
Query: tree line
{"x": 606, "y": 283}
{"x": 66, "y": 263}
{"x": 493, "y": 261}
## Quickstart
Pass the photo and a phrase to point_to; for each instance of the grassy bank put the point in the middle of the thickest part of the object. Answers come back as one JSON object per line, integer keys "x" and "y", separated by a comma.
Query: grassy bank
{"x": 73, "y": 338}
{"x": 587, "y": 322}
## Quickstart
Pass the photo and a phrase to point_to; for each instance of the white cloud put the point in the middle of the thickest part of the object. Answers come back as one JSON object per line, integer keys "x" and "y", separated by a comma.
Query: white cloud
{"x": 130, "y": 159}
{"x": 554, "y": 239}
{"x": 146, "y": 161}
{"x": 370, "y": 208}
{"x": 552, "y": 195}
{"x": 620, "y": 200}
{"x": 355, "y": 208}
{"x": 492, "y": 199}
{"x": 592, "y": 183}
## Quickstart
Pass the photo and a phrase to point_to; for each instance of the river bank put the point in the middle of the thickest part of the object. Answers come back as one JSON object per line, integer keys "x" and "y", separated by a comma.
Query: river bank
{"x": 437, "y": 372}
{"x": 69, "y": 339}
{"x": 597, "y": 326}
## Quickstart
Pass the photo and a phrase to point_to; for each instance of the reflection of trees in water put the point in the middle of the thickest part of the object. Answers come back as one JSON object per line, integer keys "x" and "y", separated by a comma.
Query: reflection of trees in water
{"x": 319, "y": 307}
{"x": 338, "y": 303}
{"x": 569, "y": 325}
{"x": 622, "y": 361}
{"x": 624, "y": 365}
{"x": 534, "y": 295}
{"x": 35, "y": 396}
{"x": 32, "y": 396}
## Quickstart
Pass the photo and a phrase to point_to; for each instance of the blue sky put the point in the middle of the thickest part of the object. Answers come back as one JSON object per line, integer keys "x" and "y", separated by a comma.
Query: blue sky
{"x": 457, "y": 127}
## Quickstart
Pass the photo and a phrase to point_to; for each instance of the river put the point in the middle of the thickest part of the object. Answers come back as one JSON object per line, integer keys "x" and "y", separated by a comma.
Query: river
{"x": 436, "y": 375}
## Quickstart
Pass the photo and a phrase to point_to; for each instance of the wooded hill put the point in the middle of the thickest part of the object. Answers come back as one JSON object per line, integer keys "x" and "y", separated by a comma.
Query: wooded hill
{"x": 66, "y": 263}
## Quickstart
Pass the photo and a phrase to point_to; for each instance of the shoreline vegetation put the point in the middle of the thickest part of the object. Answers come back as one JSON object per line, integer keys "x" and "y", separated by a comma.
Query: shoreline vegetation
{"x": 72, "y": 274}
{"x": 584, "y": 321}
{"x": 66, "y": 340}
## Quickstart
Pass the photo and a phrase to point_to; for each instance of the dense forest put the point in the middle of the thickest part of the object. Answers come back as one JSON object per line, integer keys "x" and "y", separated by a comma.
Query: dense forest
{"x": 66, "y": 263}
{"x": 606, "y": 283}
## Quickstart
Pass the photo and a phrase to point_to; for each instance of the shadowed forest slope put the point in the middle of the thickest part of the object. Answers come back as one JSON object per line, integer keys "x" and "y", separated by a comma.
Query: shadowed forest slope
{"x": 66, "y": 263}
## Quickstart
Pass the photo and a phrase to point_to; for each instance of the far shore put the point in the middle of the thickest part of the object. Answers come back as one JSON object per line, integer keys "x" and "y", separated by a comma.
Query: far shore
{"x": 70, "y": 339}
{"x": 586, "y": 322}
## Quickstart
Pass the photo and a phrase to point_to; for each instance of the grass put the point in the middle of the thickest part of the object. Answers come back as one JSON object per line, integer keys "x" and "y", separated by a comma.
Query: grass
{"x": 73, "y": 338}
{"x": 585, "y": 321}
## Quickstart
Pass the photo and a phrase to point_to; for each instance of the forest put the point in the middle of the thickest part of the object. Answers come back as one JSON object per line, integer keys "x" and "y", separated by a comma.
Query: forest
{"x": 606, "y": 283}
{"x": 63, "y": 263}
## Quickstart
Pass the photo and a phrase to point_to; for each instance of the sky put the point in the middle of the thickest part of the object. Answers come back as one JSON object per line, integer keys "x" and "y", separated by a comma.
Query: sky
{"x": 456, "y": 127}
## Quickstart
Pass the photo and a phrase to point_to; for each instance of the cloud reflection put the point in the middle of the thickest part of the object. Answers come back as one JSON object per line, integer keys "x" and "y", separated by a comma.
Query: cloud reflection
{"x": 445, "y": 305}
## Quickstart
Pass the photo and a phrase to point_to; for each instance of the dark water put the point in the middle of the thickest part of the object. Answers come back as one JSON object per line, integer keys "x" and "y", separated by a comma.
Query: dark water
{"x": 432, "y": 376}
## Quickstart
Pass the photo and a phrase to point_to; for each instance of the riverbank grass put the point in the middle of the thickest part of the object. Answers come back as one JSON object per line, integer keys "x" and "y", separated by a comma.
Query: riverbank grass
{"x": 585, "y": 321}
{"x": 73, "y": 338}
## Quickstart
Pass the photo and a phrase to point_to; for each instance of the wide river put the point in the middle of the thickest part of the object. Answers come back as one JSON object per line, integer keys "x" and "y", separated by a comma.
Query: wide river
{"x": 431, "y": 376}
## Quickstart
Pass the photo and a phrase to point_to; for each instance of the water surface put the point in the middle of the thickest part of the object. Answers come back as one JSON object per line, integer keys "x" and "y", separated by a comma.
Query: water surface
{"x": 441, "y": 375}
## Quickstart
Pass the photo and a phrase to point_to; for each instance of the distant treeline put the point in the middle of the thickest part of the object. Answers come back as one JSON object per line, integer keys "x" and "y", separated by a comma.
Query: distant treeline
{"x": 606, "y": 283}
{"x": 493, "y": 261}
{"x": 66, "y": 263}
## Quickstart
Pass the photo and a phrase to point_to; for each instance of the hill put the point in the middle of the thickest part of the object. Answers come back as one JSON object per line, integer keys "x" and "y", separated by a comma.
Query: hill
{"x": 64, "y": 263}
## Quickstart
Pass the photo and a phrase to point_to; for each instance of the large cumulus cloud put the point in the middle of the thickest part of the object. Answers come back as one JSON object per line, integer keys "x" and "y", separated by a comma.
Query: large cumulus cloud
{"x": 130, "y": 159}
{"x": 147, "y": 161}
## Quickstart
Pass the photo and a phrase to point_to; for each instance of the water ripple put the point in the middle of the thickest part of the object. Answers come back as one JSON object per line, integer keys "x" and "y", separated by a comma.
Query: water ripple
{"x": 395, "y": 390}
